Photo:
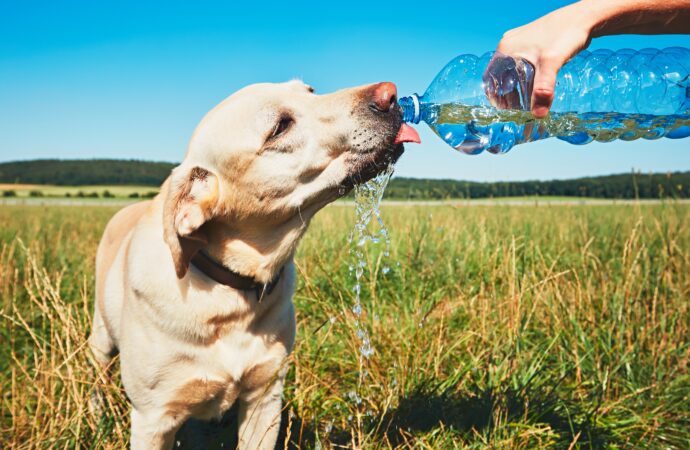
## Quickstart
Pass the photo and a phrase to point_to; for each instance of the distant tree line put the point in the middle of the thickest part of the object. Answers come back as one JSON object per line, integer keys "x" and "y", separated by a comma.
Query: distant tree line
{"x": 631, "y": 185}
{"x": 83, "y": 172}
{"x": 146, "y": 173}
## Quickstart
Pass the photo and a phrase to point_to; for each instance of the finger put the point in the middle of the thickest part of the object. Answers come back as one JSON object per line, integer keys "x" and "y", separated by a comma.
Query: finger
{"x": 543, "y": 89}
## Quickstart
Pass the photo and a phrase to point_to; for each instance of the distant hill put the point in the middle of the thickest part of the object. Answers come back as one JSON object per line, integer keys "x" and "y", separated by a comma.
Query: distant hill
{"x": 628, "y": 185}
{"x": 146, "y": 173}
{"x": 84, "y": 172}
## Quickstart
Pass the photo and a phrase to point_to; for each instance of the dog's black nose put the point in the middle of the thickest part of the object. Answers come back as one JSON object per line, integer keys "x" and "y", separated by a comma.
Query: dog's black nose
{"x": 383, "y": 96}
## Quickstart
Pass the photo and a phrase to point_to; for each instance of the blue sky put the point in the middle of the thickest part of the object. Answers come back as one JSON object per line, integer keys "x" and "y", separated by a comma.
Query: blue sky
{"x": 132, "y": 79}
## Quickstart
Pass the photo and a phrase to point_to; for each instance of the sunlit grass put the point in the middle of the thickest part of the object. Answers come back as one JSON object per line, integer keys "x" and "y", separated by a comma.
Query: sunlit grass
{"x": 498, "y": 326}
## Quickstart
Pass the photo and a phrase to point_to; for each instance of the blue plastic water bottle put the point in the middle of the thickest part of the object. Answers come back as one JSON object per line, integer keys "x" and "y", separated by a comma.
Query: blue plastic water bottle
{"x": 482, "y": 103}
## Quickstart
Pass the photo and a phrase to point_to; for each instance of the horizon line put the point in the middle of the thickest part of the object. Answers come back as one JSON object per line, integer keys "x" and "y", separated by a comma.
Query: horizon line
{"x": 633, "y": 171}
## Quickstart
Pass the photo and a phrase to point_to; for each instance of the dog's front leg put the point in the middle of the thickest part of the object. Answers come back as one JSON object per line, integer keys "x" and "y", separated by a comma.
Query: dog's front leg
{"x": 152, "y": 431}
{"x": 259, "y": 417}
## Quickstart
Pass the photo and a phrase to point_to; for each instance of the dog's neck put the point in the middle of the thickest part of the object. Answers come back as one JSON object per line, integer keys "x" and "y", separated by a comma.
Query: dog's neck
{"x": 255, "y": 253}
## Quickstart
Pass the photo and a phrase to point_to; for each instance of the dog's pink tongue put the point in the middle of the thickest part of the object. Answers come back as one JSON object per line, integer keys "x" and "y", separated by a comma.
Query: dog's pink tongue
{"x": 407, "y": 134}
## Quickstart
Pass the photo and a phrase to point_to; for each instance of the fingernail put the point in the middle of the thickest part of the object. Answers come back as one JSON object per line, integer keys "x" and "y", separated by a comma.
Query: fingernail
{"x": 540, "y": 111}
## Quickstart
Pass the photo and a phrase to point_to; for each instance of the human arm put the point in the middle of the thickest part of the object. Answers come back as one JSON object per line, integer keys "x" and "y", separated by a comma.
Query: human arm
{"x": 550, "y": 41}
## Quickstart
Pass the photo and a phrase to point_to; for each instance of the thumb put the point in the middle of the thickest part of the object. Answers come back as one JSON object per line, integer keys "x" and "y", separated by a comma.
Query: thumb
{"x": 543, "y": 89}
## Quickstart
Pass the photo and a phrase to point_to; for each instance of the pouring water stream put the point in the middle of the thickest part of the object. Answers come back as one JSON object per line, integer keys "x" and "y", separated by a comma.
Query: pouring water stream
{"x": 367, "y": 207}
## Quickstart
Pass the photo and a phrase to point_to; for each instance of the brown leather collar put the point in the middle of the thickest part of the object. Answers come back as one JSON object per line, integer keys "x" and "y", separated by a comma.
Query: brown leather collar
{"x": 221, "y": 274}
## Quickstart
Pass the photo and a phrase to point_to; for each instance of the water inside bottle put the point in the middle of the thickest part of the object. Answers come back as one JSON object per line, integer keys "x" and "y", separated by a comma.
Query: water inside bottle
{"x": 473, "y": 129}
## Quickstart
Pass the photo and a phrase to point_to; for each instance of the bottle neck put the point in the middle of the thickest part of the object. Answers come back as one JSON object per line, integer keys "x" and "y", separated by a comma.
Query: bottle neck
{"x": 411, "y": 108}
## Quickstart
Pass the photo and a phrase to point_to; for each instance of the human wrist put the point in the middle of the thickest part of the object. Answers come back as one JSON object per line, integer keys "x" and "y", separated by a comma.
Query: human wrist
{"x": 610, "y": 17}
{"x": 594, "y": 16}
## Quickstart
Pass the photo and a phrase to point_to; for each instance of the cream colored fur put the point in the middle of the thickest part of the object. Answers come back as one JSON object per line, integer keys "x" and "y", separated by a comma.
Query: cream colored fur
{"x": 190, "y": 347}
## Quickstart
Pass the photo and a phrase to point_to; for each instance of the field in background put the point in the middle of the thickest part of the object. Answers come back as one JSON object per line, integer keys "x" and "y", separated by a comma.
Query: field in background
{"x": 102, "y": 172}
{"x": 502, "y": 327}
{"x": 133, "y": 193}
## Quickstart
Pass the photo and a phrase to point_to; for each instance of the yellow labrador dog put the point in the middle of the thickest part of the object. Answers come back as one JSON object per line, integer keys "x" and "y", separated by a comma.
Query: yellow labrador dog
{"x": 194, "y": 288}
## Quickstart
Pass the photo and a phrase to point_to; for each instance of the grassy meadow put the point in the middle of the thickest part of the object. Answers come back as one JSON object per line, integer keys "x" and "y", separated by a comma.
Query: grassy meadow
{"x": 520, "y": 327}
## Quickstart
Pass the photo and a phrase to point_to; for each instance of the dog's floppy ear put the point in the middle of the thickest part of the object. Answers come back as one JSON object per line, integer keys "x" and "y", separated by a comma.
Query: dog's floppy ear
{"x": 190, "y": 202}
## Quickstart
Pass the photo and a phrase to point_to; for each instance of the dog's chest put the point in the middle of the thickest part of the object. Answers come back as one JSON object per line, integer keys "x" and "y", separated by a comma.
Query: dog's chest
{"x": 239, "y": 363}
{"x": 238, "y": 352}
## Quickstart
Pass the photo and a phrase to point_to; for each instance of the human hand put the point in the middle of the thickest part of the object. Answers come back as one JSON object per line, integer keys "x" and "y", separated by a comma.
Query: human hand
{"x": 548, "y": 43}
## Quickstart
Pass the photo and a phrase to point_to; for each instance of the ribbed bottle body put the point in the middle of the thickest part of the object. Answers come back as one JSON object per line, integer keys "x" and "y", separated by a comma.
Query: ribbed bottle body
{"x": 479, "y": 103}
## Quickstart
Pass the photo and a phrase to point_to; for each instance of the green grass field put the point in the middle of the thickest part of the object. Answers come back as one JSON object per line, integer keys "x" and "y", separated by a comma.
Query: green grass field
{"x": 497, "y": 327}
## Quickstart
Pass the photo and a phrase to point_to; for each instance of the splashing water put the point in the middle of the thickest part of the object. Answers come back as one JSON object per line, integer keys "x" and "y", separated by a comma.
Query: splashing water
{"x": 367, "y": 206}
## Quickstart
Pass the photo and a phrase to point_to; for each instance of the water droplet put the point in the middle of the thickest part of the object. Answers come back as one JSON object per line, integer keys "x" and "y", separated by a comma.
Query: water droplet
{"x": 366, "y": 349}
{"x": 352, "y": 395}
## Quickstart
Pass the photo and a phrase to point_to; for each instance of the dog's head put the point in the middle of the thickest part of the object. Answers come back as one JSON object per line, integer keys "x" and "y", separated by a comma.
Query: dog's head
{"x": 263, "y": 161}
